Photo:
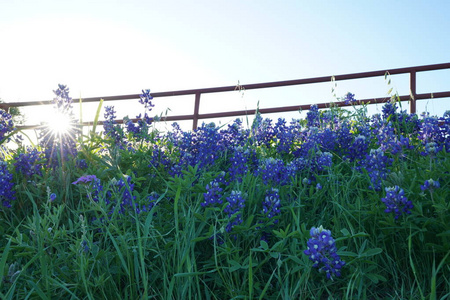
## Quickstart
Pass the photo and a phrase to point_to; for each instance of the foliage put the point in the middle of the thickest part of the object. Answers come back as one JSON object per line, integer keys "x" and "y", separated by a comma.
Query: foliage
{"x": 231, "y": 213}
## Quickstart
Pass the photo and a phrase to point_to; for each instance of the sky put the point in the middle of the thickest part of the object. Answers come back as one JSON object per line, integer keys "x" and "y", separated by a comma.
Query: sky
{"x": 105, "y": 48}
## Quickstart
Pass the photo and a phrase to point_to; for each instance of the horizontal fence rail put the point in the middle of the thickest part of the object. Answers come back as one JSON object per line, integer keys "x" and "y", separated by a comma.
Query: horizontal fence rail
{"x": 412, "y": 97}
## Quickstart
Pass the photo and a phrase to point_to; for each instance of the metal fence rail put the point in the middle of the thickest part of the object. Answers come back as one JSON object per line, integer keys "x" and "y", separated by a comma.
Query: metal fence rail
{"x": 412, "y": 97}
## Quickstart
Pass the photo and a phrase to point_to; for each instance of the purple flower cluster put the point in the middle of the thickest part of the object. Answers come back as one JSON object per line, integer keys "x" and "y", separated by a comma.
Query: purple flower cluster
{"x": 430, "y": 184}
{"x": 6, "y": 124}
{"x": 213, "y": 195}
{"x": 150, "y": 203}
{"x": 396, "y": 201}
{"x": 376, "y": 164}
{"x": 29, "y": 163}
{"x": 349, "y": 98}
{"x": 273, "y": 171}
{"x": 85, "y": 179}
{"x": 313, "y": 116}
{"x": 140, "y": 130}
{"x": 262, "y": 132}
{"x": 271, "y": 205}
{"x": 322, "y": 252}
{"x": 6, "y": 185}
{"x": 239, "y": 166}
{"x": 201, "y": 147}
{"x": 235, "y": 205}
{"x": 123, "y": 192}
{"x": 110, "y": 127}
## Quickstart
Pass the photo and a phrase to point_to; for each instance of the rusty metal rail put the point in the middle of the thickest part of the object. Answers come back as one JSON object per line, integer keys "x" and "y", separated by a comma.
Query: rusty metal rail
{"x": 412, "y": 97}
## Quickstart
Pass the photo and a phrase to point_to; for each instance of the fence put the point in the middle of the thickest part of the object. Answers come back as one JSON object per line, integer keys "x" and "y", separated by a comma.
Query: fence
{"x": 412, "y": 97}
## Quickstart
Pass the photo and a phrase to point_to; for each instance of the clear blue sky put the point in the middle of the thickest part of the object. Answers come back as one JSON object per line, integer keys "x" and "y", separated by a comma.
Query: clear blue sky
{"x": 101, "y": 48}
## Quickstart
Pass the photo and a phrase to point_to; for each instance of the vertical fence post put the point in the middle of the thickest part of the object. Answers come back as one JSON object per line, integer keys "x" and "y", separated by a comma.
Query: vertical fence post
{"x": 413, "y": 92}
{"x": 196, "y": 110}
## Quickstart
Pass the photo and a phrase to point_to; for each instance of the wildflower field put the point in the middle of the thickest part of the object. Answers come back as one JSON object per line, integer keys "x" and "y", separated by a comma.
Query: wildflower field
{"x": 339, "y": 205}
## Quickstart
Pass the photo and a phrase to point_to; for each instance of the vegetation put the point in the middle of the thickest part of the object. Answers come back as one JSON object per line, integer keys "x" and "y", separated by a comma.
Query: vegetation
{"x": 339, "y": 205}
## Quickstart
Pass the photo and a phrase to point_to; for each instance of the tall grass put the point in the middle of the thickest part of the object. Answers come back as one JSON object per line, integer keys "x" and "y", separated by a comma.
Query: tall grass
{"x": 117, "y": 243}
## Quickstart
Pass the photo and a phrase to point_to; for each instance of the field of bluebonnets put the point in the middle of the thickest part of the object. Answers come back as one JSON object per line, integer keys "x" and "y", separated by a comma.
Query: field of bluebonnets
{"x": 340, "y": 205}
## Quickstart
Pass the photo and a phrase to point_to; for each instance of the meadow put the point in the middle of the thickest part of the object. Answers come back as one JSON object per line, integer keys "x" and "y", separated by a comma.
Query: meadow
{"x": 338, "y": 205}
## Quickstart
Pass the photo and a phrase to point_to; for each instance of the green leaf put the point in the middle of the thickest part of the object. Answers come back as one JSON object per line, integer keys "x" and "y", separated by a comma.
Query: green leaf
{"x": 347, "y": 253}
{"x": 371, "y": 252}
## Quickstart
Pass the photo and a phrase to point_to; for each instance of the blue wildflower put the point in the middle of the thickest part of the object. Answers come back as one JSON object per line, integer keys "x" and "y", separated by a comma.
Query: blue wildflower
{"x": 6, "y": 124}
{"x": 6, "y": 185}
{"x": 29, "y": 163}
{"x": 430, "y": 184}
{"x": 213, "y": 194}
{"x": 85, "y": 179}
{"x": 235, "y": 205}
{"x": 322, "y": 252}
{"x": 349, "y": 98}
{"x": 239, "y": 166}
{"x": 110, "y": 126}
{"x": 396, "y": 202}
{"x": 313, "y": 116}
{"x": 376, "y": 164}
{"x": 271, "y": 205}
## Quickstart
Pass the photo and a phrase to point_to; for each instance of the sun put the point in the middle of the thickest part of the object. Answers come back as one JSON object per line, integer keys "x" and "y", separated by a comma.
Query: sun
{"x": 59, "y": 124}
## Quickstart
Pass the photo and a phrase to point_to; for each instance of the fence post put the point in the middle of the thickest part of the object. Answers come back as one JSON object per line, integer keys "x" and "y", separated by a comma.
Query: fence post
{"x": 196, "y": 110}
{"x": 413, "y": 92}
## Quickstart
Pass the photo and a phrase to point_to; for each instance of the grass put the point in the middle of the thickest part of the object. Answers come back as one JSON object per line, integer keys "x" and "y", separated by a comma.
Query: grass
{"x": 95, "y": 244}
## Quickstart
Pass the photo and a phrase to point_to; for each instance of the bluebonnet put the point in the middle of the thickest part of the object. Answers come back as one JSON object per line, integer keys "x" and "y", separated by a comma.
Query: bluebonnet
{"x": 123, "y": 192}
{"x": 29, "y": 163}
{"x": 145, "y": 99}
{"x": 110, "y": 127}
{"x": 213, "y": 195}
{"x": 344, "y": 137}
{"x": 159, "y": 159}
{"x": 430, "y": 184}
{"x": 322, "y": 252}
{"x": 6, "y": 185}
{"x": 324, "y": 160}
{"x": 349, "y": 98}
{"x": 84, "y": 246}
{"x": 311, "y": 139}
{"x": 284, "y": 137}
{"x": 262, "y": 131}
{"x": 201, "y": 147}
{"x": 234, "y": 135}
{"x": 270, "y": 213}
{"x": 95, "y": 188}
{"x": 6, "y": 124}
{"x": 273, "y": 171}
{"x": 52, "y": 197}
{"x": 81, "y": 164}
{"x": 85, "y": 179}
{"x": 328, "y": 139}
{"x": 239, "y": 166}
{"x": 140, "y": 130}
{"x": 396, "y": 201}
{"x": 151, "y": 201}
{"x": 235, "y": 205}
{"x": 389, "y": 111}
{"x": 376, "y": 164}
{"x": 271, "y": 205}
{"x": 358, "y": 149}
{"x": 431, "y": 148}
{"x": 313, "y": 116}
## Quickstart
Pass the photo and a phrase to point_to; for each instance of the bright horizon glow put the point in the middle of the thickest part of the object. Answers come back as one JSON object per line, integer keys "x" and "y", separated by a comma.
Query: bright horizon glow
{"x": 118, "y": 48}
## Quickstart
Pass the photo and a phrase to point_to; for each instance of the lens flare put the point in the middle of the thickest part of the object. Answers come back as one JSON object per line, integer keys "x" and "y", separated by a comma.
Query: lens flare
{"x": 59, "y": 124}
